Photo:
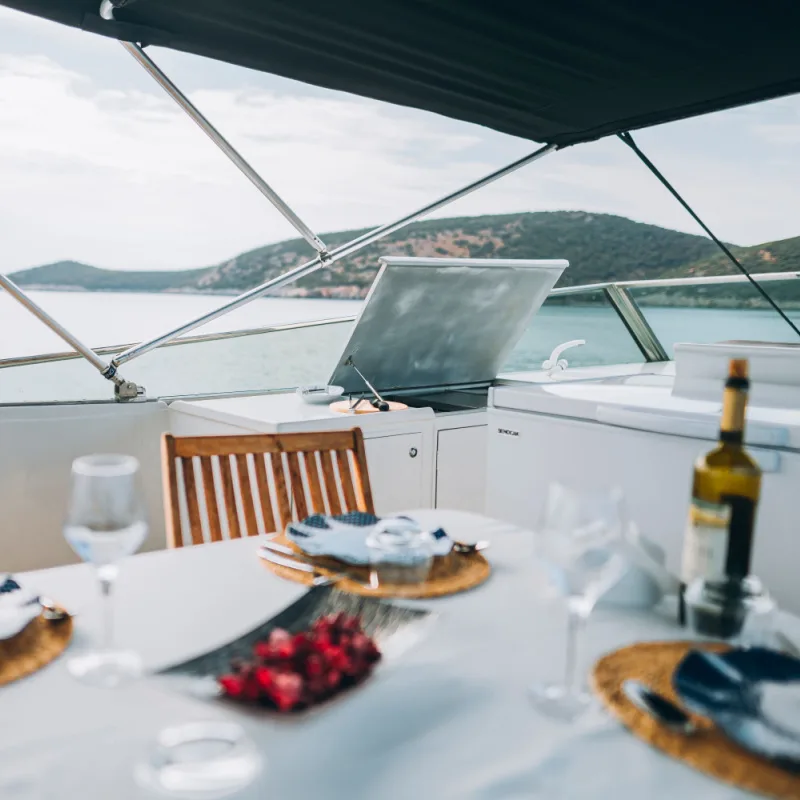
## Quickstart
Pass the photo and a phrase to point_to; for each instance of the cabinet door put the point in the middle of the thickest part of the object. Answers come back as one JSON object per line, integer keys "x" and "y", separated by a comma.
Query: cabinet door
{"x": 396, "y": 472}
{"x": 461, "y": 469}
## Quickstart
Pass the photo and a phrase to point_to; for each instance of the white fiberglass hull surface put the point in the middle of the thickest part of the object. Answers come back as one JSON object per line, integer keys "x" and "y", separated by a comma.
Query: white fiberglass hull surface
{"x": 37, "y": 447}
{"x": 631, "y": 432}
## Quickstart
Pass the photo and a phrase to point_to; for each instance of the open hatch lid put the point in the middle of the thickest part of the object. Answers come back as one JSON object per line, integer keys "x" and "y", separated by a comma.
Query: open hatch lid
{"x": 431, "y": 322}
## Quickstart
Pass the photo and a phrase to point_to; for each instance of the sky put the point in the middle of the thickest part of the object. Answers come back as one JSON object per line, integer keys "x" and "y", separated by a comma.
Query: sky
{"x": 98, "y": 165}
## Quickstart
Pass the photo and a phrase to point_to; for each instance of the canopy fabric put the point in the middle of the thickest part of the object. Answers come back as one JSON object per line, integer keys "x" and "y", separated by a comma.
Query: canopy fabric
{"x": 561, "y": 71}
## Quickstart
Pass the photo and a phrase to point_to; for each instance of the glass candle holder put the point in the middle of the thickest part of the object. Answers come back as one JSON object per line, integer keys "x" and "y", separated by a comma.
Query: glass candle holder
{"x": 737, "y": 610}
{"x": 400, "y": 552}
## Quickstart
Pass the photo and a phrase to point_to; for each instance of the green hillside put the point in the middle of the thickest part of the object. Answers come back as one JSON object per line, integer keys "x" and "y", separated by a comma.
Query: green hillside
{"x": 780, "y": 256}
{"x": 74, "y": 275}
{"x": 599, "y": 247}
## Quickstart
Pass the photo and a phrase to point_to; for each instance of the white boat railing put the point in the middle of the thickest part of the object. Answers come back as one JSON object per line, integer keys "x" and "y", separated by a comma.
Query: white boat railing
{"x": 617, "y": 293}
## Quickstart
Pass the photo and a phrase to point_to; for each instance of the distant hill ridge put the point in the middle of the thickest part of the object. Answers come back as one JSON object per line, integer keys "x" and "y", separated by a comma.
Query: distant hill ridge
{"x": 599, "y": 247}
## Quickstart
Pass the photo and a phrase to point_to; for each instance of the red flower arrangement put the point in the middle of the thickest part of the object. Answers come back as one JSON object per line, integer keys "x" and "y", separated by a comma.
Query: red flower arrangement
{"x": 290, "y": 672}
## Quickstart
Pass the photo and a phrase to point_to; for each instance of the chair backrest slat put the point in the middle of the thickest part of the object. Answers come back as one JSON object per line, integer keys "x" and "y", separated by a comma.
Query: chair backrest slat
{"x": 249, "y": 487}
{"x": 262, "y": 483}
{"x": 314, "y": 484}
{"x": 331, "y": 486}
{"x": 298, "y": 489}
{"x": 281, "y": 492}
{"x": 361, "y": 479}
{"x": 210, "y": 492}
{"x": 169, "y": 479}
{"x": 192, "y": 502}
{"x": 246, "y": 493}
{"x": 346, "y": 478}
{"x": 229, "y": 495}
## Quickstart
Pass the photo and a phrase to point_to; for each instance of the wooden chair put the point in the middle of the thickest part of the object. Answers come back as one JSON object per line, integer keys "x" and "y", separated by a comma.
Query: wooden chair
{"x": 225, "y": 487}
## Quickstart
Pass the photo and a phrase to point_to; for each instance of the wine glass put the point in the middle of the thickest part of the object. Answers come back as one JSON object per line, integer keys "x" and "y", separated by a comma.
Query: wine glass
{"x": 577, "y": 540}
{"x": 105, "y": 522}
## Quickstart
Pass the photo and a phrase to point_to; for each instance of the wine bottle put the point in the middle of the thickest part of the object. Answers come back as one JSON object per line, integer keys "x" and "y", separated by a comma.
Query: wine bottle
{"x": 725, "y": 491}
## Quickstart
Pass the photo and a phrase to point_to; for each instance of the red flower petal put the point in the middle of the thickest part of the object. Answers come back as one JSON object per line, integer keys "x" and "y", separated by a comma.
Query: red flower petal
{"x": 232, "y": 685}
{"x": 279, "y": 636}
{"x": 333, "y": 678}
{"x": 351, "y": 625}
{"x": 286, "y": 690}
{"x": 263, "y": 677}
{"x": 336, "y": 658}
{"x": 251, "y": 690}
{"x": 264, "y": 650}
{"x": 314, "y": 665}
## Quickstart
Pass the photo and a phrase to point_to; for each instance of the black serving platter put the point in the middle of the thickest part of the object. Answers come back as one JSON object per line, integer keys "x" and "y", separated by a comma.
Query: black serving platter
{"x": 393, "y": 626}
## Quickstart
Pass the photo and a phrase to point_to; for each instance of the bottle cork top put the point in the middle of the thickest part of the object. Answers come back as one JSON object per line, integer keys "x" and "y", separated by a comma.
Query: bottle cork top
{"x": 737, "y": 368}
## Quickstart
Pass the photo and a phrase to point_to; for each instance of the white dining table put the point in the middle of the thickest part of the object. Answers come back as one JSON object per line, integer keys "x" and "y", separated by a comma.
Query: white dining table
{"x": 447, "y": 718}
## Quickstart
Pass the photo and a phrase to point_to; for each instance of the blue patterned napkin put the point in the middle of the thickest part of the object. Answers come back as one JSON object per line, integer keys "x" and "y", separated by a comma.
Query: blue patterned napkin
{"x": 345, "y": 536}
{"x": 18, "y": 607}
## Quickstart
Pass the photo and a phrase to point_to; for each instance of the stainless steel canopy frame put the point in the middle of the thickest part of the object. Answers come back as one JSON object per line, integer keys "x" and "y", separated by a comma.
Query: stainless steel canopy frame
{"x": 125, "y": 390}
{"x": 107, "y": 12}
{"x": 616, "y": 294}
{"x": 343, "y": 251}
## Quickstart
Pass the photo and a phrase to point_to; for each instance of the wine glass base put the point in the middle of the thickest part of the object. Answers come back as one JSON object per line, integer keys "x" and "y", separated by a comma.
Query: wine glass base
{"x": 200, "y": 761}
{"x": 106, "y": 669}
{"x": 557, "y": 701}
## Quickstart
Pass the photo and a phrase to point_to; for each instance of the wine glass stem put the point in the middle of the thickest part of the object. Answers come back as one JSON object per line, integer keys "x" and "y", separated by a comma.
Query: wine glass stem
{"x": 575, "y": 621}
{"x": 107, "y": 575}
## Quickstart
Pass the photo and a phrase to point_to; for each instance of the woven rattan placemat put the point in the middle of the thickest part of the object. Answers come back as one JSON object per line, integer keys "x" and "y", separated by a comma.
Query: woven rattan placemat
{"x": 708, "y": 750}
{"x": 34, "y": 647}
{"x": 450, "y": 574}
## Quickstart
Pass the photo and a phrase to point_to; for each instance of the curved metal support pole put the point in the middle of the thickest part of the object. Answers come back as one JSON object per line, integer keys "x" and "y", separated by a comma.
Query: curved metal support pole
{"x": 345, "y": 250}
{"x": 123, "y": 390}
{"x": 107, "y": 12}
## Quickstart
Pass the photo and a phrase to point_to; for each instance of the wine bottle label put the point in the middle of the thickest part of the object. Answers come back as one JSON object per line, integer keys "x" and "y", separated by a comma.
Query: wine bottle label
{"x": 705, "y": 545}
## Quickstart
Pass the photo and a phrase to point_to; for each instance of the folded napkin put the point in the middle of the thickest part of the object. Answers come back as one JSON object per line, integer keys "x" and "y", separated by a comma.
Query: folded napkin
{"x": 18, "y": 607}
{"x": 344, "y": 536}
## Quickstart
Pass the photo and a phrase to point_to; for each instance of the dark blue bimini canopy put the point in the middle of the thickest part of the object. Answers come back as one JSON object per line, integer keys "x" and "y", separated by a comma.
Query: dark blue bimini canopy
{"x": 561, "y": 71}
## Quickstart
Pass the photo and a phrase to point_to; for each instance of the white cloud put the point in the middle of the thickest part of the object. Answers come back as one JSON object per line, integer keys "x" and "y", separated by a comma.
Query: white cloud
{"x": 126, "y": 177}
{"x": 121, "y": 177}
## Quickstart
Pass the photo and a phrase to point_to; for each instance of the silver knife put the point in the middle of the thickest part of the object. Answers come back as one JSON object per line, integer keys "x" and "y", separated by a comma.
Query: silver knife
{"x": 282, "y": 549}
{"x": 282, "y": 561}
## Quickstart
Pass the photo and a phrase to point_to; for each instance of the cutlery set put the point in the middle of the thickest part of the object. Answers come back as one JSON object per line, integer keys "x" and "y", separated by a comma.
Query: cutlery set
{"x": 284, "y": 556}
{"x": 750, "y": 694}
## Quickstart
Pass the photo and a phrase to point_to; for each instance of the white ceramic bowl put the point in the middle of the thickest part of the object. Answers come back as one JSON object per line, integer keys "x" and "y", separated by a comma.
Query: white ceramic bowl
{"x": 319, "y": 395}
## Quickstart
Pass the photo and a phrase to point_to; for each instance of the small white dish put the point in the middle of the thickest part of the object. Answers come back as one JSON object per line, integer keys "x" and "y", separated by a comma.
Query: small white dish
{"x": 319, "y": 394}
{"x": 345, "y": 536}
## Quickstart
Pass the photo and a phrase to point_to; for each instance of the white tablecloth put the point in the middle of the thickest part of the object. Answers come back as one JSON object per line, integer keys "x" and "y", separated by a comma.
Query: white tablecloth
{"x": 447, "y": 719}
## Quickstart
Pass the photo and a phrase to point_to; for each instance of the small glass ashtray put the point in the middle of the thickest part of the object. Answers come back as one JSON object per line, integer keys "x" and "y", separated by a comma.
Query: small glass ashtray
{"x": 201, "y": 760}
{"x": 400, "y": 552}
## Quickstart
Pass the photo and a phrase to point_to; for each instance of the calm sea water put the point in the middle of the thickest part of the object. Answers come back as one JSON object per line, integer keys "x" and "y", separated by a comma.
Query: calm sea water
{"x": 298, "y": 356}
